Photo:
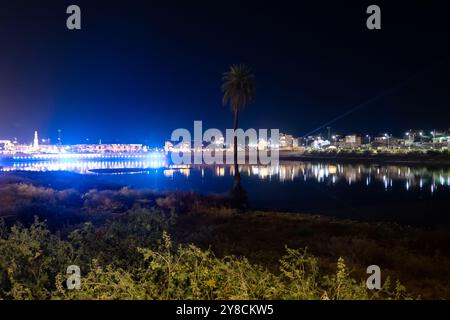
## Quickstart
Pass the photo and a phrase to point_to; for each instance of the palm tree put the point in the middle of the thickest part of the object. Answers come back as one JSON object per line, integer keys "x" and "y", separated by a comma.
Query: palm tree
{"x": 238, "y": 91}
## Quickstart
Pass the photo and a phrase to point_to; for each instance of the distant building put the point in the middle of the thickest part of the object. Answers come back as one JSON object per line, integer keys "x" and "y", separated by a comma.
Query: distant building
{"x": 380, "y": 141}
{"x": 319, "y": 143}
{"x": 286, "y": 141}
{"x": 180, "y": 147}
{"x": 263, "y": 144}
{"x": 418, "y": 137}
{"x": 107, "y": 148}
{"x": 440, "y": 138}
{"x": 337, "y": 140}
{"x": 5, "y": 145}
{"x": 387, "y": 140}
{"x": 168, "y": 146}
{"x": 298, "y": 142}
{"x": 36, "y": 140}
{"x": 353, "y": 140}
{"x": 219, "y": 143}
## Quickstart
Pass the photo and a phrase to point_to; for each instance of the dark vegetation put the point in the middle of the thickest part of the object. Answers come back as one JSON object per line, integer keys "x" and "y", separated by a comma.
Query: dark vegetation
{"x": 136, "y": 244}
{"x": 413, "y": 156}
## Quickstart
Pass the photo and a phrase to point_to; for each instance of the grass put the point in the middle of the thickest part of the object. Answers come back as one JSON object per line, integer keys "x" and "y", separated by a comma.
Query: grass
{"x": 117, "y": 235}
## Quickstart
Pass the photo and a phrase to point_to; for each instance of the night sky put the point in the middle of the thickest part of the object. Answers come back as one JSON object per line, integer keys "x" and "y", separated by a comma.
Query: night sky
{"x": 139, "y": 69}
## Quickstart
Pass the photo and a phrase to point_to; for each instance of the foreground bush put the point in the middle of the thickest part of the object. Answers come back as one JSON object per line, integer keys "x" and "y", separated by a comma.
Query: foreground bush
{"x": 30, "y": 259}
{"x": 133, "y": 258}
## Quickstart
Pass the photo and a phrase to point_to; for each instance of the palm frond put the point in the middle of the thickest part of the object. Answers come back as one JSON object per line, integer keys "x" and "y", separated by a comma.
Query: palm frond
{"x": 238, "y": 87}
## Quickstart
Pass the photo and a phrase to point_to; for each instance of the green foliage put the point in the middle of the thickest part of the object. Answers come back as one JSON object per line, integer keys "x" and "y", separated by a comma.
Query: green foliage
{"x": 30, "y": 258}
{"x": 131, "y": 256}
{"x": 117, "y": 239}
{"x": 187, "y": 272}
{"x": 302, "y": 274}
{"x": 191, "y": 273}
{"x": 435, "y": 152}
{"x": 102, "y": 283}
{"x": 342, "y": 287}
{"x": 238, "y": 87}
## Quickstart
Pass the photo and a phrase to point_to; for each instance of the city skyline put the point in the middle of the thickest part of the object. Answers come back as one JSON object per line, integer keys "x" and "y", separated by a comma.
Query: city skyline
{"x": 46, "y": 140}
{"x": 411, "y": 141}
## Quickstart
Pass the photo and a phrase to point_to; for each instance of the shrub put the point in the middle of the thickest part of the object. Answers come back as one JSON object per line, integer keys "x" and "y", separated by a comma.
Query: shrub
{"x": 187, "y": 272}
{"x": 131, "y": 256}
{"x": 30, "y": 258}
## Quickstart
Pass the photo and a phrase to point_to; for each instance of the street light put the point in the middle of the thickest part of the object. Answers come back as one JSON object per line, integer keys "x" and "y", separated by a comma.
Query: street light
{"x": 433, "y": 133}
{"x": 388, "y": 139}
{"x": 334, "y": 138}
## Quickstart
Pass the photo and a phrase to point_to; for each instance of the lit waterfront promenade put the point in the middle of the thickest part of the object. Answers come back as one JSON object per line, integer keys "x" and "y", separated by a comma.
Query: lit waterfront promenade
{"x": 56, "y": 156}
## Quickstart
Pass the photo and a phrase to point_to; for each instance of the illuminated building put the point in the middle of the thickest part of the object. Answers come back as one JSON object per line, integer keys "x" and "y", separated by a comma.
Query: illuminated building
{"x": 286, "y": 141}
{"x": 107, "y": 148}
{"x": 298, "y": 142}
{"x": 5, "y": 145}
{"x": 7, "y": 148}
{"x": 168, "y": 146}
{"x": 263, "y": 144}
{"x": 319, "y": 143}
{"x": 353, "y": 140}
{"x": 36, "y": 140}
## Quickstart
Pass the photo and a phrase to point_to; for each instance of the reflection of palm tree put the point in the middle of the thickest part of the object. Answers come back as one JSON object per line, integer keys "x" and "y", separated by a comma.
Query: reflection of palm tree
{"x": 238, "y": 194}
{"x": 238, "y": 91}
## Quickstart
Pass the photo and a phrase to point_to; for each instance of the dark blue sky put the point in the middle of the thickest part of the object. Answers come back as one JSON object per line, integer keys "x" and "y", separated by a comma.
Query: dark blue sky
{"x": 140, "y": 69}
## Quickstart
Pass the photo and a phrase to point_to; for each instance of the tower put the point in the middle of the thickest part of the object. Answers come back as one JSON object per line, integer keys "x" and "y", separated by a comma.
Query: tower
{"x": 59, "y": 137}
{"x": 36, "y": 140}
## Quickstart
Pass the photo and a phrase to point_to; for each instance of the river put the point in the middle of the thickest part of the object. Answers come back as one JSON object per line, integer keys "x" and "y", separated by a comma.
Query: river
{"x": 412, "y": 194}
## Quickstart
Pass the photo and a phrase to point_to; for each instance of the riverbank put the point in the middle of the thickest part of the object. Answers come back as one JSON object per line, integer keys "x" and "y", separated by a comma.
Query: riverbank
{"x": 418, "y": 257}
{"x": 117, "y": 221}
{"x": 382, "y": 158}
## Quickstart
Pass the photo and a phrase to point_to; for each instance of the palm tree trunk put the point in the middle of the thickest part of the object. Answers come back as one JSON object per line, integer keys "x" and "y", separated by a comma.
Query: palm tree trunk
{"x": 236, "y": 121}
{"x": 238, "y": 194}
{"x": 237, "y": 174}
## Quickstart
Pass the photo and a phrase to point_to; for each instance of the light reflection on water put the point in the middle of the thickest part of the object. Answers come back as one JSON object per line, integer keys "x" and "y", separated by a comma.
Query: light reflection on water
{"x": 388, "y": 175}
{"x": 82, "y": 166}
{"x": 410, "y": 177}
{"x": 400, "y": 193}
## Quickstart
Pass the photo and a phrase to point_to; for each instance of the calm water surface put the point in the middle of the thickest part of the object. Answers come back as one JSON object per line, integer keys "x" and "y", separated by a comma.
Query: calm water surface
{"x": 401, "y": 193}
